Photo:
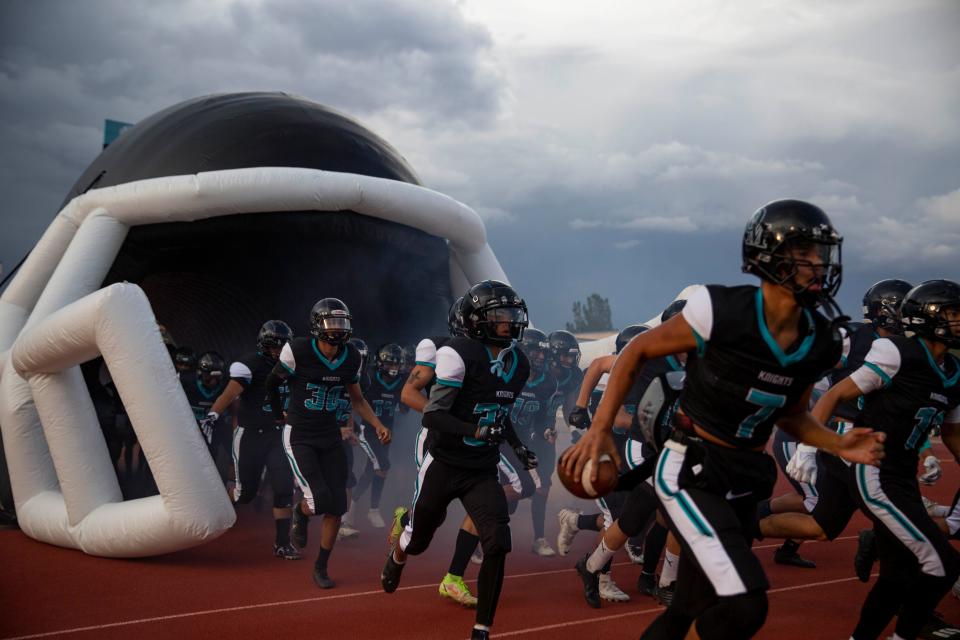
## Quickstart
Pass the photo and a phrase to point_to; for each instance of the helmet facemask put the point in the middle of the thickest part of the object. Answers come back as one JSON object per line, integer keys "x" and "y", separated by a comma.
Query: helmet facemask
{"x": 332, "y": 329}
{"x": 502, "y": 325}
{"x": 811, "y": 270}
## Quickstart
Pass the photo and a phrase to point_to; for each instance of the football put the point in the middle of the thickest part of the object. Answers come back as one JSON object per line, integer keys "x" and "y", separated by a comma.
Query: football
{"x": 582, "y": 487}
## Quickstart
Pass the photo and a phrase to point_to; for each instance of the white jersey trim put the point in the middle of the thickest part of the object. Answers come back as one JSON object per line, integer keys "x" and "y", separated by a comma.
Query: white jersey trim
{"x": 426, "y": 353}
{"x": 450, "y": 367}
{"x": 240, "y": 370}
{"x": 879, "y": 367}
{"x": 698, "y": 312}
{"x": 286, "y": 357}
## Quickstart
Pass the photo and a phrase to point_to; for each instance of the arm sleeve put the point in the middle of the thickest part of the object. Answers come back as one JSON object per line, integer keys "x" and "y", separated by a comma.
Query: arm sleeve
{"x": 437, "y": 416}
{"x": 427, "y": 353}
{"x": 879, "y": 367}
{"x": 698, "y": 312}
{"x": 286, "y": 358}
{"x": 241, "y": 373}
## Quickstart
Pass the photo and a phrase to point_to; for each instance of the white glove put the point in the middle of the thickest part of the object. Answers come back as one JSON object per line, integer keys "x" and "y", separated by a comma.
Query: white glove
{"x": 803, "y": 465}
{"x": 206, "y": 426}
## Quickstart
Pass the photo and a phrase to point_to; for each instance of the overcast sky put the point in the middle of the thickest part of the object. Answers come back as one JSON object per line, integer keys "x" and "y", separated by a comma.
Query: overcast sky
{"x": 612, "y": 147}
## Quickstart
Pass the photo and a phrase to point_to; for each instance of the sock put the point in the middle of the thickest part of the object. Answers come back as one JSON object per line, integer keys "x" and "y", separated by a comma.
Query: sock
{"x": 668, "y": 574}
{"x": 466, "y": 543}
{"x": 587, "y": 523}
{"x": 653, "y": 546}
{"x": 322, "y": 557}
{"x": 376, "y": 490}
{"x": 283, "y": 531}
{"x": 538, "y": 512}
{"x": 600, "y": 557}
{"x": 481, "y": 627}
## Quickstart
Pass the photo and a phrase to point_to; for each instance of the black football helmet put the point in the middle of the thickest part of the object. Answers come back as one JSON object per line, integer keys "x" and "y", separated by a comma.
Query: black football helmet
{"x": 330, "y": 321}
{"x": 672, "y": 309}
{"x": 273, "y": 335}
{"x": 536, "y": 347}
{"x": 210, "y": 367}
{"x": 780, "y": 228}
{"x": 455, "y": 319}
{"x": 932, "y": 310}
{"x": 491, "y": 303}
{"x": 362, "y": 349}
{"x": 390, "y": 360}
{"x": 564, "y": 349}
{"x": 627, "y": 334}
{"x": 881, "y": 303}
{"x": 184, "y": 358}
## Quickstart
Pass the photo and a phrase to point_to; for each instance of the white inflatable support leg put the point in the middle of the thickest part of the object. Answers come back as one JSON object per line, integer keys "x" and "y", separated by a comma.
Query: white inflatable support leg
{"x": 193, "y": 506}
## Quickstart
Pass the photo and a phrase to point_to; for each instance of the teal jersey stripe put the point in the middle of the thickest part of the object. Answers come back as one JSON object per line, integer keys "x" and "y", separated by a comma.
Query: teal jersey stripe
{"x": 450, "y": 383}
{"x": 701, "y": 526}
{"x": 432, "y": 365}
{"x": 889, "y": 508}
{"x": 880, "y": 372}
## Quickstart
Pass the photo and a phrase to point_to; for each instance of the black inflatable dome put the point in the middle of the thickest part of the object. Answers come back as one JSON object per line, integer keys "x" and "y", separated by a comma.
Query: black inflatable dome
{"x": 212, "y": 283}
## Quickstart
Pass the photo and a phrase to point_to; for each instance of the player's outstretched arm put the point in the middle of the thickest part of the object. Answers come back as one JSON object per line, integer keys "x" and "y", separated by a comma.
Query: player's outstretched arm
{"x": 673, "y": 336}
{"x": 275, "y": 379}
{"x": 412, "y": 393}
{"x": 591, "y": 378}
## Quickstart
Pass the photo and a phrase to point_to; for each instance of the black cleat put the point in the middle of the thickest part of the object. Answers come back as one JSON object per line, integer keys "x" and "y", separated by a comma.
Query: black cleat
{"x": 866, "y": 554}
{"x": 321, "y": 579}
{"x": 298, "y": 527}
{"x": 647, "y": 583}
{"x": 664, "y": 595}
{"x": 591, "y": 583}
{"x": 286, "y": 551}
{"x": 938, "y": 629}
{"x": 390, "y": 576}
{"x": 479, "y": 634}
{"x": 787, "y": 555}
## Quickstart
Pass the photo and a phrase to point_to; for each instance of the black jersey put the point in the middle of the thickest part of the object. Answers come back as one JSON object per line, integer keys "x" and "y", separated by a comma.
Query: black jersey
{"x": 739, "y": 381}
{"x": 251, "y": 372}
{"x": 200, "y": 396}
{"x": 532, "y": 410}
{"x": 318, "y": 385}
{"x": 861, "y": 339}
{"x": 906, "y": 394}
{"x": 384, "y": 398}
{"x": 478, "y": 389}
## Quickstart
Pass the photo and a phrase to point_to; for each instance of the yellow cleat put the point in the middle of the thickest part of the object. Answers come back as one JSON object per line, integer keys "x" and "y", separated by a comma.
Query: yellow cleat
{"x": 397, "y": 527}
{"x": 455, "y": 588}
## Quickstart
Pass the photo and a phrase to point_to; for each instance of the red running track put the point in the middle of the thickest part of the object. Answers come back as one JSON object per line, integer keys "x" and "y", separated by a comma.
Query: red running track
{"x": 234, "y": 588}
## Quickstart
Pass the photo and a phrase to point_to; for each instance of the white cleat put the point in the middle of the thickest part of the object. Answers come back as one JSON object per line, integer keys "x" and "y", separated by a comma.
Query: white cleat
{"x": 935, "y": 510}
{"x": 931, "y": 470}
{"x": 542, "y": 548}
{"x": 568, "y": 530}
{"x": 346, "y": 532}
{"x": 609, "y": 590}
{"x": 373, "y": 516}
{"x": 635, "y": 553}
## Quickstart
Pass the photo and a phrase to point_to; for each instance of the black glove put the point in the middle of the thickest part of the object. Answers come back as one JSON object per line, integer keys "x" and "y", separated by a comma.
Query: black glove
{"x": 491, "y": 433}
{"x": 206, "y": 426}
{"x": 527, "y": 458}
{"x": 575, "y": 435}
{"x": 579, "y": 418}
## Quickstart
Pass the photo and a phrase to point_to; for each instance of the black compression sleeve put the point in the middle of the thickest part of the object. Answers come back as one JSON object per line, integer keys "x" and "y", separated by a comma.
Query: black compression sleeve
{"x": 445, "y": 423}
{"x": 275, "y": 379}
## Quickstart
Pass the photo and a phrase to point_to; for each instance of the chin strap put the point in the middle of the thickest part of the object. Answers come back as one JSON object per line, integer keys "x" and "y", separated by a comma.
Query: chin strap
{"x": 833, "y": 313}
{"x": 497, "y": 364}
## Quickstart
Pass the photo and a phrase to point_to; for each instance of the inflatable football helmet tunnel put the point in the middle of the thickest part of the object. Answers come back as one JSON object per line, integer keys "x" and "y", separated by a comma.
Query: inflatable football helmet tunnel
{"x": 209, "y": 217}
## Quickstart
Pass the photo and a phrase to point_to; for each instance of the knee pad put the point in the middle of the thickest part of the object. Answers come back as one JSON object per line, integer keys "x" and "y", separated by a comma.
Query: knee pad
{"x": 734, "y": 617}
{"x": 501, "y": 543}
{"x": 282, "y": 501}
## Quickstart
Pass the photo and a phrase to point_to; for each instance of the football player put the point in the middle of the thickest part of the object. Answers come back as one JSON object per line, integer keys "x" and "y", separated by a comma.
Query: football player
{"x": 908, "y": 385}
{"x": 479, "y": 378}
{"x": 754, "y": 354}
{"x": 383, "y": 394}
{"x": 256, "y": 440}
{"x": 421, "y": 379}
{"x": 317, "y": 370}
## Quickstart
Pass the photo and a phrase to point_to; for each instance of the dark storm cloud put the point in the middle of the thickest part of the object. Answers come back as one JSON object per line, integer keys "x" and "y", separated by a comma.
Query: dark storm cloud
{"x": 66, "y": 66}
